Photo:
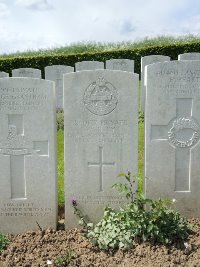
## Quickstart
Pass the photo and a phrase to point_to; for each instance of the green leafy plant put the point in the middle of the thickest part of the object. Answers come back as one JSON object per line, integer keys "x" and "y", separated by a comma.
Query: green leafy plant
{"x": 63, "y": 261}
{"x": 142, "y": 219}
{"x": 141, "y": 117}
{"x": 60, "y": 120}
{"x": 4, "y": 241}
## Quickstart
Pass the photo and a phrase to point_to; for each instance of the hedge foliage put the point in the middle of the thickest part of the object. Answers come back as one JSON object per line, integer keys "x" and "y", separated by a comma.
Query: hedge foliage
{"x": 40, "y": 62}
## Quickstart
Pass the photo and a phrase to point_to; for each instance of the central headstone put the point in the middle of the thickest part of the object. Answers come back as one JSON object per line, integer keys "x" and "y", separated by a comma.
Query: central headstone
{"x": 101, "y": 138}
{"x": 26, "y": 72}
{"x": 172, "y": 134}
{"x": 28, "y": 197}
{"x": 55, "y": 73}
{"x": 89, "y": 65}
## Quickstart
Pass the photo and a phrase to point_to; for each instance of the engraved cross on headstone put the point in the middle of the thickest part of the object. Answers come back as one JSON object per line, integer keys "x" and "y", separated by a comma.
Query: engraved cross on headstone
{"x": 101, "y": 164}
{"x": 182, "y": 133}
{"x": 17, "y": 148}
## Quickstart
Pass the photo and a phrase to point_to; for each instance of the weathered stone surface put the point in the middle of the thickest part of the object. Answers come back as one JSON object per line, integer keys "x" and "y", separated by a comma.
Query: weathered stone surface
{"x": 55, "y": 73}
{"x": 4, "y": 74}
{"x": 120, "y": 64}
{"x": 101, "y": 138}
{"x": 172, "y": 129}
{"x": 26, "y": 72}
{"x": 89, "y": 65}
{"x": 28, "y": 186}
{"x": 189, "y": 56}
{"x": 144, "y": 62}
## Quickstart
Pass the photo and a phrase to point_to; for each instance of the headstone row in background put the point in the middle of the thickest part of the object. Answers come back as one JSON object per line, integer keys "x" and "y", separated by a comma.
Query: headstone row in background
{"x": 55, "y": 72}
{"x": 27, "y": 72}
{"x": 145, "y": 61}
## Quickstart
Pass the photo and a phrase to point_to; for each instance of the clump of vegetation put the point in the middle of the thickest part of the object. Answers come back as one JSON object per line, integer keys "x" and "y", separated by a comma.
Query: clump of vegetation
{"x": 141, "y": 220}
{"x": 65, "y": 260}
{"x": 141, "y": 117}
{"x": 60, "y": 120}
{"x": 4, "y": 241}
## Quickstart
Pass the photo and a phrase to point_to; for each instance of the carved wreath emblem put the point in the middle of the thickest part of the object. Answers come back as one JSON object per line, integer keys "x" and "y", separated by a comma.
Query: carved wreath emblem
{"x": 184, "y": 132}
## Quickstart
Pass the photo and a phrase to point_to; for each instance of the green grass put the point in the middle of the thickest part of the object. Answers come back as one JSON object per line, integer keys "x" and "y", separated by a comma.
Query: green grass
{"x": 82, "y": 47}
{"x": 141, "y": 152}
{"x": 60, "y": 158}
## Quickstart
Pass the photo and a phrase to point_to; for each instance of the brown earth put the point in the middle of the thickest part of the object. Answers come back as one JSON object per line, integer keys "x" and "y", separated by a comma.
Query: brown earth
{"x": 42, "y": 247}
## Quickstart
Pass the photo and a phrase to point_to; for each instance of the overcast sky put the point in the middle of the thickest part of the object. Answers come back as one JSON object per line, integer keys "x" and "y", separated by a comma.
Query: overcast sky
{"x": 33, "y": 24}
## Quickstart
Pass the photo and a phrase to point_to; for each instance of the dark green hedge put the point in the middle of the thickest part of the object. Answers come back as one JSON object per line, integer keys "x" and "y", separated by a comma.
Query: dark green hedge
{"x": 40, "y": 62}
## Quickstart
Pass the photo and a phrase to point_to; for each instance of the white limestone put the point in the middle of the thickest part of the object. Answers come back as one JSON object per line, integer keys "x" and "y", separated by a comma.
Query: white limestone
{"x": 101, "y": 138}
{"x": 144, "y": 62}
{"x": 172, "y": 133}
{"x": 120, "y": 64}
{"x": 28, "y": 185}
{"x": 55, "y": 73}
{"x": 89, "y": 65}
{"x": 4, "y": 74}
{"x": 26, "y": 72}
{"x": 189, "y": 56}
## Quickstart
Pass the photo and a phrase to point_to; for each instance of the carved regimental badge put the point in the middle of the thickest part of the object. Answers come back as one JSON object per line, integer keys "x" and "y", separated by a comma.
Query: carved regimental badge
{"x": 100, "y": 97}
{"x": 183, "y": 132}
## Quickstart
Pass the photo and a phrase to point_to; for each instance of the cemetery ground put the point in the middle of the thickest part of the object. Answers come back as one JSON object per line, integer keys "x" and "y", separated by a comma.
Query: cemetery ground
{"x": 72, "y": 248}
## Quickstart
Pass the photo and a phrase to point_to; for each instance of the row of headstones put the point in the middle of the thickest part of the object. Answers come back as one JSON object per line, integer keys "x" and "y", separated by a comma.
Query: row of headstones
{"x": 55, "y": 72}
{"x": 101, "y": 141}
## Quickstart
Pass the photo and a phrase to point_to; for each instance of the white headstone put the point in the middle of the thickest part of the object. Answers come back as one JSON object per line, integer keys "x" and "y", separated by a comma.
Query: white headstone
{"x": 4, "y": 74}
{"x": 120, "y": 64}
{"x": 89, "y": 65}
{"x": 189, "y": 56}
{"x": 28, "y": 186}
{"x": 172, "y": 130}
{"x": 144, "y": 62}
{"x": 55, "y": 73}
{"x": 101, "y": 138}
{"x": 26, "y": 72}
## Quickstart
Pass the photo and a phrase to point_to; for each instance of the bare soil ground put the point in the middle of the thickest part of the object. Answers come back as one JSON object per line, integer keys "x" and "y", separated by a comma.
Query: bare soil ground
{"x": 42, "y": 247}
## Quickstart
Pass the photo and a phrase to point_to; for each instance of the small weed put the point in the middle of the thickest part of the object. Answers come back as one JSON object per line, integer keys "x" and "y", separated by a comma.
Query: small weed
{"x": 60, "y": 120}
{"x": 63, "y": 261}
{"x": 4, "y": 241}
{"x": 141, "y": 117}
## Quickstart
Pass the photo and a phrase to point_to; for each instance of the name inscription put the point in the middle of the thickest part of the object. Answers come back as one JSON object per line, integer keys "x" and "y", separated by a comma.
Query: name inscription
{"x": 22, "y": 99}
{"x": 23, "y": 210}
{"x": 102, "y": 130}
